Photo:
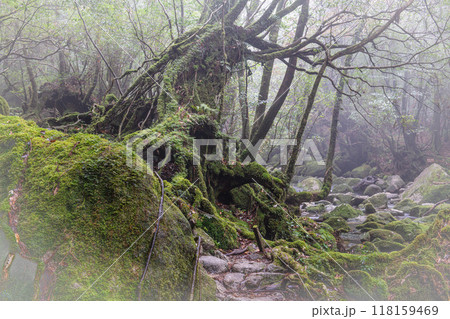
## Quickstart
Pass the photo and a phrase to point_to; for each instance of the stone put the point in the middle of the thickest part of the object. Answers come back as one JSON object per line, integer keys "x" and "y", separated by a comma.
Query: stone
{"x": 372, "y": 190}
{"x": 378, "y": 200}
{"x": 247, "y": 267}
{"x": 310, "y": 184}
{"x": 384, "y": 234}
{"x": 341, "y": 188}
{"x": 395, "y": 183}
{"x": 431, "y": 186}
{"x": 214, "y": 265}
{"x": 387, "y": 246}
{"x": 344, "y": 211}
{"x": 256, "y": 280}
{"x": 369, "y": 209}
{"x": 208, "y": 244}
{"x": 233, "y": 280}
{"x": 361, "y": 171}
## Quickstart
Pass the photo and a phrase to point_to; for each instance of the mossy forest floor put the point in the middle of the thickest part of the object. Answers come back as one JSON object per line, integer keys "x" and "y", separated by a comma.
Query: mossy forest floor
{"x": 79, "y": 221}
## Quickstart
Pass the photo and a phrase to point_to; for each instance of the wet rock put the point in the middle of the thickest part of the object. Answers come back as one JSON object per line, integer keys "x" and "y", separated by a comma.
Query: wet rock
{"x": 362, "y": 185}
{"x": 247, "y": 267}
{"x": 233, "y": 280}
{"x": 372, "y": 190}
{"x": 214, "y": 265}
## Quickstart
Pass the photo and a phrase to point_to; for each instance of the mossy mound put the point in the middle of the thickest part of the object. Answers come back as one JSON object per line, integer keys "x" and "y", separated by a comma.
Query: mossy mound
{"x": 316, "y": 209}
{"x": 381, "y": 218}
{"x": 81, "y": 207}
{"x": 385, "y": 234}
{"x": 338, "y": 224}
{"x": 4, "y": 106}
{"x": 414, "y": 281}
{"x": 406, "y": 228}
{"x": 359, "y": 285}
{"x": 366, "y": 226}
{"x": 344, "y": 211}
{"x": 387, "y": 246}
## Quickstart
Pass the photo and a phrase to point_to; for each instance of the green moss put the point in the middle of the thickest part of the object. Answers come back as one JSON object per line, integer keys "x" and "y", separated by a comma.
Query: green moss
{"x": 368, "y": 225}
{"x": 369, "y": 209}
{"x": 387, "y": 246}
{"x": 316, "y": 209}
{"x": 338, "y": 224}
{"x": 344, "y": 211}
{"x": 4, "y": 106}
{"x": 414, "y": 281}
{"x": 341, "y": 188}
{"x": 359, "y": 285}
{"x": 406, "y": 228}
{"x": 405, "y": 205}
{"x": 381, "y": 218}
{"x": 224, "y": 235}
{"x": 80, "y": 200}
{"x": 384, "y": 234}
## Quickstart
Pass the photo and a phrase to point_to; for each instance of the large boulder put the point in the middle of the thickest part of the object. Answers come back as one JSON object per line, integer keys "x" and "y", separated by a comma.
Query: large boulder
{"x": 431, "y": 186}
{"x": 77, "y": 207}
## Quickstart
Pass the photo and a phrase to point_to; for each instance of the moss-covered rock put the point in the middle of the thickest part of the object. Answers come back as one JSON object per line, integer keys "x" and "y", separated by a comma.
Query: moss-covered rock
{"x": 372, "y": 190}
{"x": 359, "y": 285}
{"x": 344, "y": 211}
{"x": 405, "y": 205}
{"x": 406, "y": 228}
{"x": 338, "y": 224}
{"x": 369, "y": 209}
{"x": 414, "y": 281}
{"x": 4, "y": 106}
{"x": 381, "y": 218}
{"x": 368, "y": 225}
{"x": 387, "y": 246}
{"x": 431, "y": 186}
{"x": 310, "y": 184}
{"x": 341, "y": 188}
{"x": 361, "y": 171}
{"x": 80, "y": 207}
{"x": 379, "y": 200}
{"x": 384, "y": 234}
{"x": 312, "y": 168}
{"x": 320, "y": 208}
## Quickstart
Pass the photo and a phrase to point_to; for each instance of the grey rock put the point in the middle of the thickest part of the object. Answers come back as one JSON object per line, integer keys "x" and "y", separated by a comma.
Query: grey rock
{"x": 214, "y": 265}
{"x": 233, "y": 280}
{"x": 247, "y": 267}
{"x": 256, "y": 280}
{"x": 274, "y": 268}
{"x": 395, "y": 183}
